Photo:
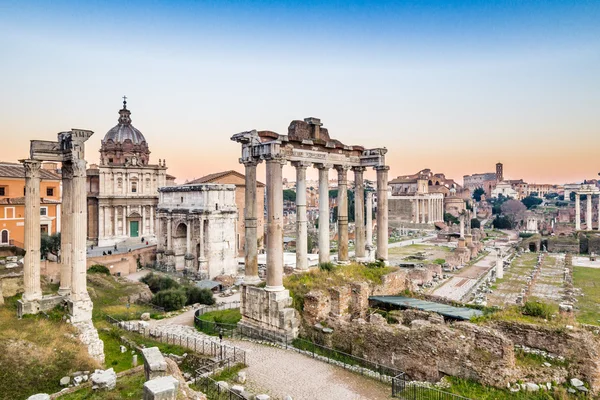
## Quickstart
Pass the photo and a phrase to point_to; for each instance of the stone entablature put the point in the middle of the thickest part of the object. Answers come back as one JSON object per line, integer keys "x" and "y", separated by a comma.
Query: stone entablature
{"x": 197, "y": 229}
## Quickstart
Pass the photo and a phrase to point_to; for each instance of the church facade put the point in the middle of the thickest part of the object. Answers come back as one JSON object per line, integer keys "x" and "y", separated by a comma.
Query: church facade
{"x": 123, "y": 188}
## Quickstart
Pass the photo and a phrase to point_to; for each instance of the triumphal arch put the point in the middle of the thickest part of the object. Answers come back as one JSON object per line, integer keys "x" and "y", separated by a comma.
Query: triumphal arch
{"x": 307, "y": 144}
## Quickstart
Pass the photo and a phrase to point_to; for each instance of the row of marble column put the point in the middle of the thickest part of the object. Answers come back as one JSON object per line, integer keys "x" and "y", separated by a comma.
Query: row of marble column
{"x": 274, "y": 243}
{"x": 588, "y": 214}
{"x": 105, "y": 213}
{"x": 428, "y": 210}
{"x": 73, "y": 231}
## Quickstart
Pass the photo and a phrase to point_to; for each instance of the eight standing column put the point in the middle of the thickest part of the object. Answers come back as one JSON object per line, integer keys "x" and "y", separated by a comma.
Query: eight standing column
{"x": 31, "y": 268}
{"x": 359, "y": 211}
{"x": 577, "y": 212}
{"x": 382, "y": 215}
{"x": 250, "y": 224}
{"x": 67, "y": 227}
{"x": 274, "y": 225}
{"x": 369, "y": 223}
{"x": 342, "y": 213}
{"x": 301, "y": 223}
{"x": 323, "y": 212}
{"x": 79, "y": 224}
{"x": 588, "y": 214}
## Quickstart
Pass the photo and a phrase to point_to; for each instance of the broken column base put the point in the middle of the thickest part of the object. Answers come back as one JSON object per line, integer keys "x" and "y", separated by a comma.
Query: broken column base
{"x": 163, "y": 388}
{"x": 268, "y": 315}
{"x": 80, "y": 310}
{"x": 46, "y": 303}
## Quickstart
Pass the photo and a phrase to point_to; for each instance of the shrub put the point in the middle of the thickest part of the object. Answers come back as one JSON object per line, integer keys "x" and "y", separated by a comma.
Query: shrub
{"x": 98, "y": 269}
{"x": 156, "y": 283}
{"x": 475, "y": 223}
{"x": 376, "y": 264}
{"x": 526, "y": 235}
{"x": 197, "y": 295}
{"x": 440, "y": 261}
{"x": 170, "y": 299}
{"x": 326, "y": 266}
{"x": 537, "y": 309}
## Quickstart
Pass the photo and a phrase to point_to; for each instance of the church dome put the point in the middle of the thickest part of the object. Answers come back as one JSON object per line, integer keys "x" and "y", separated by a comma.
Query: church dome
{"x": 124, "y": 144}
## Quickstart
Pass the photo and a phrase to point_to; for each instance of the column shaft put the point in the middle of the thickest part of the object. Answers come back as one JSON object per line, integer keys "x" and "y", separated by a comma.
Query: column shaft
{"x": 188, "y": 237}
{"x": 382, "y": 213}
{"x": 588, "y": 214}
{"x": 101, "y": 217}
{"x": 79, "y": 218}
{"x": 274, "y": 225}
{"x": 31, "y": 268}
{"x": 124, "y": 218}
{"x": 301, "y": 224}
{"x": 342, "y": 213}
{"x": 151, "y": 220}
{"x": 115, "y": 228}
{"x": 577, "y": 212}
{"x": 250, "y": 224}
{"x": 143, "y": 220}
{"x": 359, "y": 212}
{"x": 323, "y": 213}
{"x": 66, "y": 266}
{"x": 169, "y": 236}
{"x": 369, "y": 220}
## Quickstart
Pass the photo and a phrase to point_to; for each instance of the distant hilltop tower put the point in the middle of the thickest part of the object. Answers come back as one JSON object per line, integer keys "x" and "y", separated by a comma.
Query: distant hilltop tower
{"x": 499, "y": 172}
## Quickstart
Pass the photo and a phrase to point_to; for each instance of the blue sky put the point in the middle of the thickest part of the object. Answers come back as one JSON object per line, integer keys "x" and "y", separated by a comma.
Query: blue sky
{"x": 453, "y": 86}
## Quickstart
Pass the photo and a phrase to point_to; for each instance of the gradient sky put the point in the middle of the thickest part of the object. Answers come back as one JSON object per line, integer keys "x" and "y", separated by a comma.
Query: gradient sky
{"x": 454, "y": 86}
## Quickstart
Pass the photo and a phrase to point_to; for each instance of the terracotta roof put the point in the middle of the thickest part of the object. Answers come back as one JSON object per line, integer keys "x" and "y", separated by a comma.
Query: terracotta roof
{"x": 212, "y": 178}
{"x": 11, "y": 170}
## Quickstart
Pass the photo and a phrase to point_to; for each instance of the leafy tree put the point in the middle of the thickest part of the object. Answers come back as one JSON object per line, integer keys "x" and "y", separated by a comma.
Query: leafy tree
{"x": 170, "y": 300}
{"x": 475, "y": 223}
{"x": 157, "y": 283}
{"x": 531, "y": 201}
{"x": 289, "y": 195}
{"x": 451, "y": 219}
{"x": 98, "y": 269}
{"x": 502, "y": 223}
{"x": 50, "y": 244}
{"x": 534, "y": 194}
{"x": 197, "y": 295}
{"x": 477, "y": 194}
{"x": 513, "y": 210}
{"x": 550, "y": 196}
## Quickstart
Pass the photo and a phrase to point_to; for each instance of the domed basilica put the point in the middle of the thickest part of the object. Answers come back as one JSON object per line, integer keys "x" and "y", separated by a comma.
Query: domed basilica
{"x": 123, "y": 189}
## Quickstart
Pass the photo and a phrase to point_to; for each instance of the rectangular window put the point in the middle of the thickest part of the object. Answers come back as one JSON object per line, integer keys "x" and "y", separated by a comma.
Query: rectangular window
{"x": 49, "y": 191}
{"x": 2, "y": 190}
{"x": 9, "y": 212}
{"x": 43, "y": 210}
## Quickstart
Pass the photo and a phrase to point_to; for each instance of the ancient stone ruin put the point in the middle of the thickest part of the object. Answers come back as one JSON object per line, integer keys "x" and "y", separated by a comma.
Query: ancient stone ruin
{"x": 307, "y": 144}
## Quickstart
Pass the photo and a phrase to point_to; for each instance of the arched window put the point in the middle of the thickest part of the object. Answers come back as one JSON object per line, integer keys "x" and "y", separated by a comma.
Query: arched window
{"x": 133, "y": 187}
{"x": 4, "y": 237}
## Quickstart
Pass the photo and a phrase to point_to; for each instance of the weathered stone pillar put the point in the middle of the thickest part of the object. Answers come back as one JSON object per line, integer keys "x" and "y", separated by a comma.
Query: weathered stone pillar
{"x": 169, "y": 235}
{"x": 188, "y": 237}
{"x": 369, "y": 221}
{"x": 151, "y": 220}
{"x": 31, "y": 268}
{"x": 382, "y": 213}
{"x": 416, "y": 203}
{"x": 499, "y": 265}
{"x": 79, "y": 224}
{"x": 160, "y": 246}
{"x": 588, "y": 214}
{"x": 323, "y": 212}
{"x": 301, "y": 223}
{"x": 359, "y": 212}
{"x": 250, "y": 224}
{"x": 143, "y": 221}
{"x": 598, "y": 213}
{"x": 124, "y": 211}
{"x": 274, "y": 225}
{"x": 101, "y": 218}
{"x": 423, "y": 220}
{"x": 67, "y": 227}
{"x": 577, "y": 212}
{"x": 115, "y": 213}
{"x": 342, "y": 213}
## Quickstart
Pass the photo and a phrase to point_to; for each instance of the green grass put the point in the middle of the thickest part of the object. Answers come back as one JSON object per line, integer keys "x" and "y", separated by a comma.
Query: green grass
{"x": 232, "y": 316}
{"x": 588, "y": 280}
{"x": 112, "y": 351}
{"x": 128, "y": 387}
{"x": 229, "y": 374}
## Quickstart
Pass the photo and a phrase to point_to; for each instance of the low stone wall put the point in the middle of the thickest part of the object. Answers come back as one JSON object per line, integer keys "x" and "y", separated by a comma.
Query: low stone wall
{"x": 12, "y": 284}
{"x": 563, "y": 244}
{"x": 579, "y": 347}
{"x": 125, "y": 263}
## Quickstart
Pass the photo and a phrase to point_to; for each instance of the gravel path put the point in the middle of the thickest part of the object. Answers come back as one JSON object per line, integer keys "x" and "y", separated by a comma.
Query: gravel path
{"x": 280, "y": 372}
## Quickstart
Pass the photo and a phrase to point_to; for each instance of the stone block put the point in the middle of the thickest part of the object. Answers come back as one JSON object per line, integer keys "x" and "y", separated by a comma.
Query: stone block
{"x": 65, "y": 380}
{"x": 241, "y": 377}
{"x": 237, "y": 389}
{"x": 145, "y": 316}
{"x": 104, "y": 380}
{"x": 262, "y": 397}
{"x": 162, "y": 388}
{"x": 155, "y": 365}
{"x": 40, "y": 396}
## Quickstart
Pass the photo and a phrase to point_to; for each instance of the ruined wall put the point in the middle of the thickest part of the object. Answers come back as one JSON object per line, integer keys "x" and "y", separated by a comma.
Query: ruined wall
{"x": 12, "y": 283}
{"x": 428, "y": 351}
{"x": 563, "y": 244}
{"x": 579, "y": 347}
{"x": 125, "y": 263}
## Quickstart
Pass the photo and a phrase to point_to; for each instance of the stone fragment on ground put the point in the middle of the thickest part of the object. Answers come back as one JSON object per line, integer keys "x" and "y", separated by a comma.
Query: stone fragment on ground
{"x": 162, "y": 388}
{"x": 65, "y": 380}
{"x": 104, "y": 380}
{"x": 39, "y": 396}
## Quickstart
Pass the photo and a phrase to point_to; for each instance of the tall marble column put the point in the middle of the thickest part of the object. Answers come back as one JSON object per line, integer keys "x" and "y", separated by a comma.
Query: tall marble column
{"x": 274, "y": 225}
{"x": 101, "y": 217}
{"x": 67, "y": 227}
{"x": 124, "y": 217}
{"x": 143, "y": 220}
{"x": 417, "y": 217}
{"x": 382, "y": 213}
{"x": 115, "y": 213}
{"x": 369, "y": 220}
{"x": 169, "y": 235}
{"x": 462, "y": 225}
{"x": 160, "y": 244}
{"x": 301, "y": 223}
{"x": 359, "y": 211}
{"x": 599, "y": 213}
{"x": 323, "y": 212}
{"x": 423, "y": 220}
{"x": 342, "y": 213}
{"x": 577, "y": 212}
{"x": 588, "y": 214}
{"x": 188, "y": 237}
{"x": 250, "y": 224}
{"x": 79, "y": 224}
{"x": 31, "y": 267}
{"x": 151, "y": 220}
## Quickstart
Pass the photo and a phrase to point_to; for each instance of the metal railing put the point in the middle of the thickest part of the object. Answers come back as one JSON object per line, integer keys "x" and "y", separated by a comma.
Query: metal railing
{"x": 212, "y": 348}
{"x": 418, "y": 391}
{"x": 214, "y": 391}
{"x": 219, "y": 307}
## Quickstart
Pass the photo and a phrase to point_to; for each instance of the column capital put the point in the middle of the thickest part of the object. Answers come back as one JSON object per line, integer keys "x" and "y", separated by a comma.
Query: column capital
{"x": 323, "y": 166}
{"x": 360, "y": 169}
{"x": 253, "y": 162}
{"x": 381, "y": 168}
{"x": 32, "y": 168}
{"x": 342, "y": 168}
{"x": 276, "y": 158}
{"x": 301, "y": 164}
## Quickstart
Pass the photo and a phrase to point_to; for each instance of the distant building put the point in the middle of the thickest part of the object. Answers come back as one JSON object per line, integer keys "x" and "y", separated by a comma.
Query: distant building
{"x": 123, "y": 189}
{"x": 506, "y": 190}
{"x": 239, "y": 180}
{"x": 12, "y": 202}
{"x": 487, "y": 181}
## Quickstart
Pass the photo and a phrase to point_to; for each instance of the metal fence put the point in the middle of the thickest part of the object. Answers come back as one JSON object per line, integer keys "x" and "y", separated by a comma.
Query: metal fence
{"x": 417, "y": 391}
{"x": 215, "y": 392}
{"x": 219, "y": 307}
{"x": 208, "y": 347}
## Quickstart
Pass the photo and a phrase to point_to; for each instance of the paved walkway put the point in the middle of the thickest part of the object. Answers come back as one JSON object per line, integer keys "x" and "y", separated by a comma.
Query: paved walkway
{"x": 280, "y": 372}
